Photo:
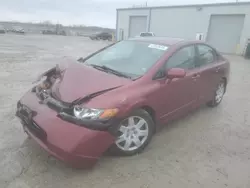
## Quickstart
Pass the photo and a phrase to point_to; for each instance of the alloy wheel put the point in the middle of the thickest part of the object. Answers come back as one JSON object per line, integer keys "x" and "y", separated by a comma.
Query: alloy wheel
{"x": 134, "y": 132}
{"x": 220, "y": 92}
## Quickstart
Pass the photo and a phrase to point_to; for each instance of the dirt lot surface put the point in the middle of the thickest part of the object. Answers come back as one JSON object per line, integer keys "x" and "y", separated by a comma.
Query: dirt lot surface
{"x": 208, "y": 148}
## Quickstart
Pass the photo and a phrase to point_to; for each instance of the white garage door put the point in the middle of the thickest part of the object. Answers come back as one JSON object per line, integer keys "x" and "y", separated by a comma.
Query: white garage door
{"x": 137, "y": 24}
{"x": 225, "y": 31}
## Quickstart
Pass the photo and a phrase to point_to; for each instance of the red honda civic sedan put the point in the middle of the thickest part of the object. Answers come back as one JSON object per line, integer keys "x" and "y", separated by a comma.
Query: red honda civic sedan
{"x": 115, "y": 98}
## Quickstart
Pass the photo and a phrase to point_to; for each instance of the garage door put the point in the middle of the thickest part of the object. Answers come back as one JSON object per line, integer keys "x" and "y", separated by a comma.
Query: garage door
{"x": 225, "y": 31}
{"x": 137, "y": 24}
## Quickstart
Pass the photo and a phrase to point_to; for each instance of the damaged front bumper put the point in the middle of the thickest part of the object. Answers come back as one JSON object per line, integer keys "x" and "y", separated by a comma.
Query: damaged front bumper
{"x": 76, "y": 145}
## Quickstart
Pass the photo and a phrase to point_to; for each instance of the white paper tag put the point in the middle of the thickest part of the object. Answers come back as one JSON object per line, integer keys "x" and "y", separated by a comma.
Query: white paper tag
{"x": 158, "y": 47}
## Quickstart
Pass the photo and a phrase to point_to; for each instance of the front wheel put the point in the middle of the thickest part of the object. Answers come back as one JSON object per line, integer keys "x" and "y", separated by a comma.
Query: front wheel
{"x": 135, "y": 133}
{"x": 218, "y": 95}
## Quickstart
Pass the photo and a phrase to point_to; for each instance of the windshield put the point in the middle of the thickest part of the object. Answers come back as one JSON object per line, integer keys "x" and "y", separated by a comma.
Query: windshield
{"x": 132, "y": 58}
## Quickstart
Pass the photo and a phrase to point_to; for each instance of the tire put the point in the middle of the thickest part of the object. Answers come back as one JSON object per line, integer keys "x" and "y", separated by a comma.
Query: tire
{"x": 136, "y": 135}
{"x": 218, "y": 94}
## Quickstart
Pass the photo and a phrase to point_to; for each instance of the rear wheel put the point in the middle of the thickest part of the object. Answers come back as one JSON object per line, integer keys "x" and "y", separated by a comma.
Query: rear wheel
{"x": 218, "y": 95}
{"x": 135, "y": 133}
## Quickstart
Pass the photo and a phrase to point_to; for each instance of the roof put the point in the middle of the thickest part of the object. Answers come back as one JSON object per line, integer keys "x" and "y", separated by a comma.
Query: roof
{"x": 160, "y": 40}
{"x": 190, "y": 5}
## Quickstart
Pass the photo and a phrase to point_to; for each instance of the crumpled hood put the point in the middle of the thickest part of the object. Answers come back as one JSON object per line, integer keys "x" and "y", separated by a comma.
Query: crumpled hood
{"x": 78, "y": 81}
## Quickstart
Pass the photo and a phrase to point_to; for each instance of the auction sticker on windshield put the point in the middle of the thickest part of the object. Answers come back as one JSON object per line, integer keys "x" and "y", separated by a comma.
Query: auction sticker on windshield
{"x": 157, "y": 46}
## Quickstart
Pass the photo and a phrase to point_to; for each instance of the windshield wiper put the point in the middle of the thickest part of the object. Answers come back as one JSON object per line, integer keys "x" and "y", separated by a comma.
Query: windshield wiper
{"x": 109, "y": 70}
{"x": 90, "y": 96}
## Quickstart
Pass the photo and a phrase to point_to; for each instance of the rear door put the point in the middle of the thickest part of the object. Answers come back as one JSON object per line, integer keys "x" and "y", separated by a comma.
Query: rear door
{"x": 210, "y": 71}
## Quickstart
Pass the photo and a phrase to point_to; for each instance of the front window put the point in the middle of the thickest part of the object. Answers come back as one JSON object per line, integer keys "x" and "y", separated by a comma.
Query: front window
{"x": 131, "y": 58}
{"x": 183, "y": 58}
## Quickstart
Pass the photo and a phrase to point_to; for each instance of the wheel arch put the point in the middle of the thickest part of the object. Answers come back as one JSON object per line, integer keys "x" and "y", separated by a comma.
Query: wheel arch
{"x": 142, "y": 104}
{"x": 225, "y": 80}
{"x": 149, "y": 110}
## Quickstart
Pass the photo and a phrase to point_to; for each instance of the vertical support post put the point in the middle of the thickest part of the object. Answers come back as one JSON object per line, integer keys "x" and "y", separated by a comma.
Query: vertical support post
{"x": 149, "y": 20}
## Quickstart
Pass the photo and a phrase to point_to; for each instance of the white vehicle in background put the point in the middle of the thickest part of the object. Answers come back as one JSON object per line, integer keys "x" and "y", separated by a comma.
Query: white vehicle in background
{"x": 147, "y": 34}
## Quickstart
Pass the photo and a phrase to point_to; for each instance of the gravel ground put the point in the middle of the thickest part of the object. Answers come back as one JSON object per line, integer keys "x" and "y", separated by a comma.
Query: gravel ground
{"x": 207, "y": 148}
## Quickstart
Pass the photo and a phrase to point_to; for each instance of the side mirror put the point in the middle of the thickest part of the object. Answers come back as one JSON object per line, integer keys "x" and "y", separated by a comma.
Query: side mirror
{"x": 176, "y": 73}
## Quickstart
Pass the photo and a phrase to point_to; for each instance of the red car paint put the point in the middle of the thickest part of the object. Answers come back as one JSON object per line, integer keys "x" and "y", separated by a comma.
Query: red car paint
{"x": 78, "y": 146}
{"x": 164, "y": 98}
{"x": 90, "y": 79}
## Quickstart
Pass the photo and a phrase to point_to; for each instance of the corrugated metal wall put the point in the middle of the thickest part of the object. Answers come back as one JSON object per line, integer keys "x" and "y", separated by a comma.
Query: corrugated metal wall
{"x": 225, "y": 31}
{"x": 185, "y": 22}
{"x": 137, "y": 24}
{"x": 123, "y": 19}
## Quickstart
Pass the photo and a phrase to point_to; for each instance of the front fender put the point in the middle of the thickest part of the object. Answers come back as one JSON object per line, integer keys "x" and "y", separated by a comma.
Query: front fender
{"x": 130, "y": 107}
